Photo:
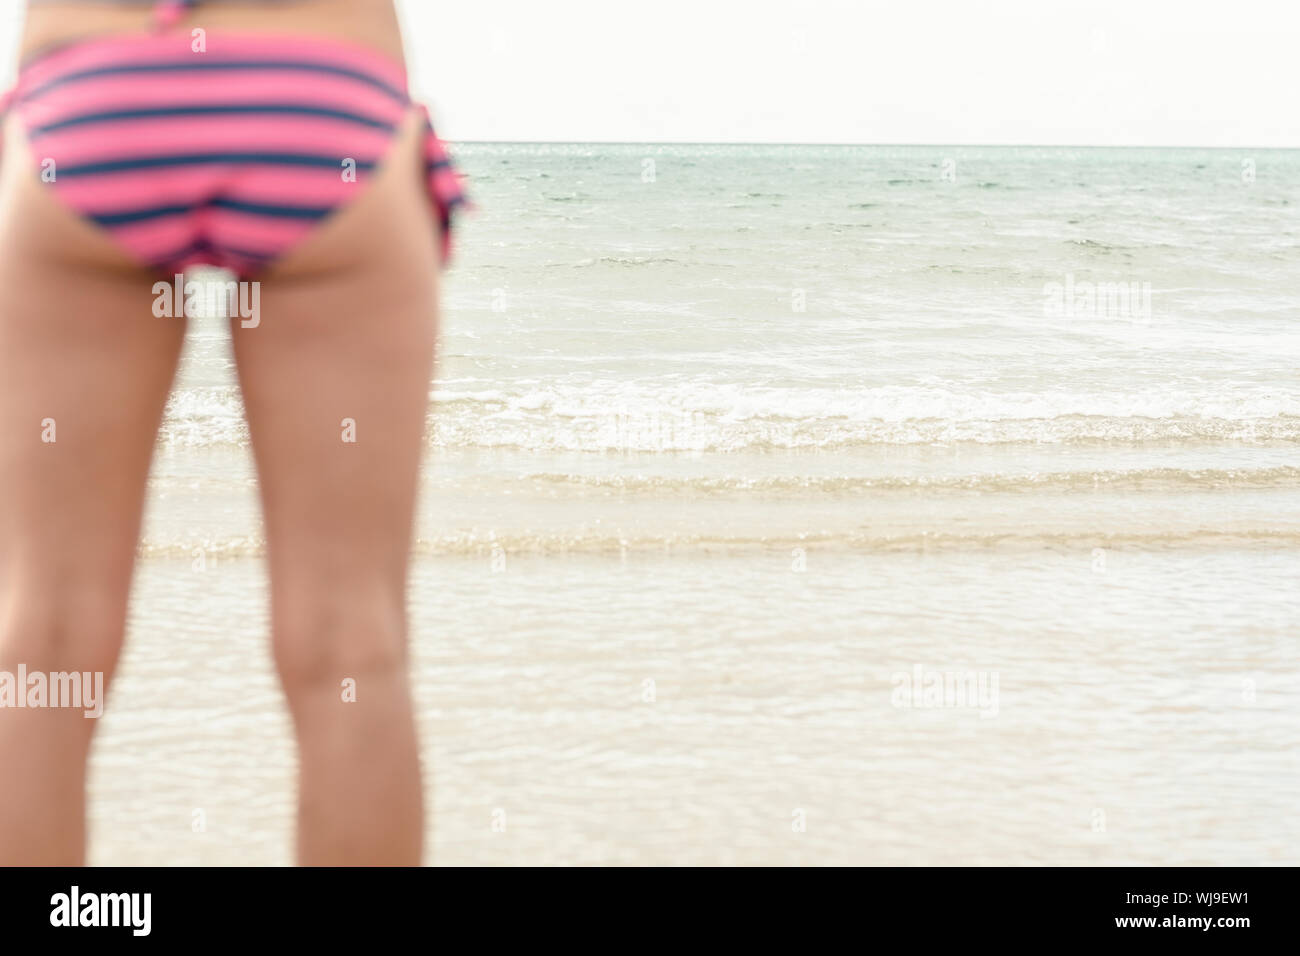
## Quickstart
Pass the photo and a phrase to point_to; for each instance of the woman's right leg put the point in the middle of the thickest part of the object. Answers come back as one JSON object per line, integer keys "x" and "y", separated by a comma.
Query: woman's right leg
{"x": 85, "y": 369}
{"x": 336, "y": 382}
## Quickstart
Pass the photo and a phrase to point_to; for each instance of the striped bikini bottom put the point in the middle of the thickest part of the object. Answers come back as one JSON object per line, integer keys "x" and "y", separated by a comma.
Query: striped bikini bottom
{"x": 227, "y": 156}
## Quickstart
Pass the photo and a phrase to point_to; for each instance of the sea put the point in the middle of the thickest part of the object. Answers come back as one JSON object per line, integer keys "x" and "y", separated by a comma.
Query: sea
{"x": 795, "y": 505}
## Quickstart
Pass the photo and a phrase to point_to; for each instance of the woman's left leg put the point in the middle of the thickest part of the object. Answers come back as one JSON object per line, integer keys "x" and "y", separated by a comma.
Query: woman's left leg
{"x": 85, "y": 369}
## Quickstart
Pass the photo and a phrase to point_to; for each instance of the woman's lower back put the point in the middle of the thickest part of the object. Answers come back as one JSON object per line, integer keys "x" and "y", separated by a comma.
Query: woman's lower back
{"x": 372, "y": 23}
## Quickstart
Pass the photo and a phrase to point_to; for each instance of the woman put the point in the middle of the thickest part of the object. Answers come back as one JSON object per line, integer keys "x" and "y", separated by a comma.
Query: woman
{"x": 275, "y": 139}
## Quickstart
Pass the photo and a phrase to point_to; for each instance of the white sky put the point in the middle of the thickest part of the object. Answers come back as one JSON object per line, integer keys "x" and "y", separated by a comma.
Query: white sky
{"x": 1090, "y": 72}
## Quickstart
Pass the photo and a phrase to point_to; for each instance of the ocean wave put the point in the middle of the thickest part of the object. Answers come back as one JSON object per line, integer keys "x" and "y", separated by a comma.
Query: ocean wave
{"x": 610, "y": 416}
{"x": 204, "y": 416}
{"x": 1098, "y": 246}
{"x": 621, "y": 261}
{"x": 885, "y": 404}
{"x": 204, "y": 554}
{"x": 640, "y": 434}
{"x": 1142, "y": 479}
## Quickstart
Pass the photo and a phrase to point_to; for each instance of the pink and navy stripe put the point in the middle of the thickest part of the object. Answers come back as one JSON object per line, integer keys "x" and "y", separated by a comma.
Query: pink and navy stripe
{"x": 230, "y": 156}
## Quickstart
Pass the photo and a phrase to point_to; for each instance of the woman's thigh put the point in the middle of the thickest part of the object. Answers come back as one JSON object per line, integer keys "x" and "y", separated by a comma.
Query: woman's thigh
{"x": 335, "y": 378}
{"x": 85, "y": 369}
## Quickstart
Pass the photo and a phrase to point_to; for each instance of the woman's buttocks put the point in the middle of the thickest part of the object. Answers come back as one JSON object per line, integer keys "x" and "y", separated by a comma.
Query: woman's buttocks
{"x": 371, "y": 23}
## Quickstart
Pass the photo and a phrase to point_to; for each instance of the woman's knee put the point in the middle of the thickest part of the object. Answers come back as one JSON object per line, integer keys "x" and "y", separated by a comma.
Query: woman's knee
{"x": 322, "y": 636}
{"x": 62, "y": 628}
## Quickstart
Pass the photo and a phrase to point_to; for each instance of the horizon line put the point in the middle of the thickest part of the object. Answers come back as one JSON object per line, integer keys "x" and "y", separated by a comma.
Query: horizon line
{"x": 684, "y": 142}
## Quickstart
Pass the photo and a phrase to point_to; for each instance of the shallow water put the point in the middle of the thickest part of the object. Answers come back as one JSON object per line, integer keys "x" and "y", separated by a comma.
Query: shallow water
{"x": 723, "y": 460}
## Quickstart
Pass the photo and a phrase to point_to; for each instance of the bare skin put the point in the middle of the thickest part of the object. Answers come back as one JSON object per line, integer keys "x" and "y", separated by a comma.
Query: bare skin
{"x": 372, "y": 23}
{"x": 347, "y": 331}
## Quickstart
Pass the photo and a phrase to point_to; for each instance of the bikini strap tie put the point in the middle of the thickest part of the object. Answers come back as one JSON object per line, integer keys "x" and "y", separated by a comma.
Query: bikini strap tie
{"x": 444, "y": 181}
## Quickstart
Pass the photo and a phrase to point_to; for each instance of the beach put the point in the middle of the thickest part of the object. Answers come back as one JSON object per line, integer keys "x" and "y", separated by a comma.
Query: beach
{"x": 793, "y": 505}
